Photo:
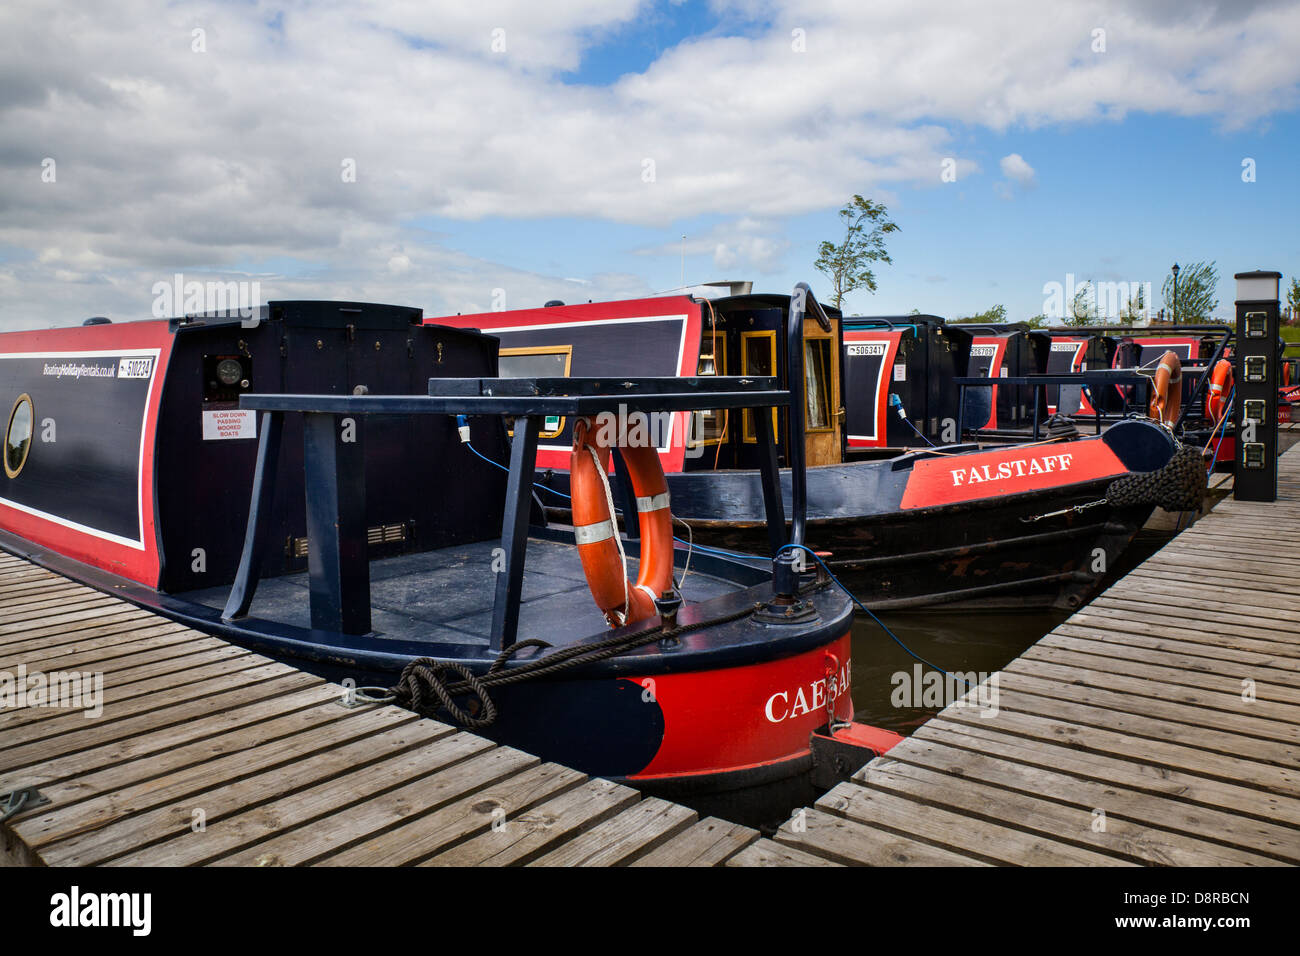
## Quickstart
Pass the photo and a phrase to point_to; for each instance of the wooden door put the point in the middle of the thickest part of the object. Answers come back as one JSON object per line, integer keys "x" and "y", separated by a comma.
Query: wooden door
{"x": 823, "y": 408}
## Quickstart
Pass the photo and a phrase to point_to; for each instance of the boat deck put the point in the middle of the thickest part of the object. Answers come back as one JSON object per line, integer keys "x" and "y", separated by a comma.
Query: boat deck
{"x": 446, "y": 596}
{"x": 1158, "y": 725}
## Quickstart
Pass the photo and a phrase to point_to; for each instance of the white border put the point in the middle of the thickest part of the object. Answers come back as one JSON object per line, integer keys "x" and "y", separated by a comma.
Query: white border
{"x": 884, "y": 360}
{"x": 137, "y": 545}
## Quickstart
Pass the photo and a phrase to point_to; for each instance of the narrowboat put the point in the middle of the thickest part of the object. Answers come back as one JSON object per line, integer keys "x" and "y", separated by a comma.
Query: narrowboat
{"x": 333, "y": 484}
{"x": 898, "y": 381}
{"x": 956, "y": 526}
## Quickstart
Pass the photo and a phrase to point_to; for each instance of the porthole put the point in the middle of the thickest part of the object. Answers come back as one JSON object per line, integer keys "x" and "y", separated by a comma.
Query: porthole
{"x": 18, "y": 435}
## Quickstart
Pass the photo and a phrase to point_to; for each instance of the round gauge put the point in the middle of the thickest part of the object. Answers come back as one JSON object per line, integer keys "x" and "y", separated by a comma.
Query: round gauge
{"x": 229, "y": 371}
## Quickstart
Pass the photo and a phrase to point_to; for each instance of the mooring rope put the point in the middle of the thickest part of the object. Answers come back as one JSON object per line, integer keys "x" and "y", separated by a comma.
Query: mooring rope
{"x": 430, "y": 687}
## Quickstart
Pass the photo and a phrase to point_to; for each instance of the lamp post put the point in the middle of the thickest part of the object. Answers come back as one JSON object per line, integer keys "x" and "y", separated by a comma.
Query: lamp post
{"x": 1175, "y": 302}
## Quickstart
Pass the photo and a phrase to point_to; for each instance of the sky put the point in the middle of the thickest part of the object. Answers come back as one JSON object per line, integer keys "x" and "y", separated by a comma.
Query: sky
{"x": 462, "y": 157}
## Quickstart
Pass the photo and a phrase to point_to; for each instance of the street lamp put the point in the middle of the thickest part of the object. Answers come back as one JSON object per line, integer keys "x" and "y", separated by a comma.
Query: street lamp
{"x": 1175, "y": 302}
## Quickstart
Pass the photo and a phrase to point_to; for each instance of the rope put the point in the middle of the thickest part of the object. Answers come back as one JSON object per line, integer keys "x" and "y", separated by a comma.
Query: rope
{"x": 424, "y": 686}
{"x": 1178, "y": 485}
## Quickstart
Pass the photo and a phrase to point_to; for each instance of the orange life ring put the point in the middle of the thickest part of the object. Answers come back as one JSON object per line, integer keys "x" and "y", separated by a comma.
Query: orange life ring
{"x": 596, "y": 531}
{"x": 1216, "y": 400}
{"x": 1167, "y": 389}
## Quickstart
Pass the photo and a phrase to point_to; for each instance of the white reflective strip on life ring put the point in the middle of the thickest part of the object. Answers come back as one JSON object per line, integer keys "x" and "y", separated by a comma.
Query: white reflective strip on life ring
{"x": 646, "y": 588}
{"x": 593, "y": 533}
{"x": 652, "y": 503}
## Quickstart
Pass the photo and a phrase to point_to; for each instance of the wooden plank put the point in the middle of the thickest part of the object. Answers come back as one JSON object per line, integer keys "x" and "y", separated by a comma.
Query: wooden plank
{"x": 765, "y": 852}
{"x": 1197, "y": 708}
{"x": 57, "y": 624}
{"x": 139, "y": 682}
{"x": 942, "y": 754}
{"x": 1097, "y": 827}
{"x": 305, "y": 844}
{"x": 75, "y": 815}
{"x": 1216, "y": 647}
{"x": 1137, "y": 775}
{"x": 708, "y": 842}
{"x": 959, "y": 832}
{"x": 271, "y": 713}
{"x": 623, "y": 838}
{"x": 846, "y": 842}
{"x": 474, "y": 814}
{"x": 180, "y": 707}
{"x": 1188, "y": 758}
{"x": 249, "y": 812}
{"x": 1266, "y": 624}
{"x": 1177, "y": 629}
{"x": 1170, "y": 669}
{"x": 1160, "y": 590}
{"x": 72, "y": 650}
{"x": 534, "y": 832}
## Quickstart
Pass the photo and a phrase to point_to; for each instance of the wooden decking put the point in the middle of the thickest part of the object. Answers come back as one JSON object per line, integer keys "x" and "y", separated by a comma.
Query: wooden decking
{"x": 208, "y": 754}
{"x": 1158, "y": 725}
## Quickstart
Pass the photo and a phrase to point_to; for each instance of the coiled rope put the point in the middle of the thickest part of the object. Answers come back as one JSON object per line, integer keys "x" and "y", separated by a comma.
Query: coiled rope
{"x": 431, "y": 688}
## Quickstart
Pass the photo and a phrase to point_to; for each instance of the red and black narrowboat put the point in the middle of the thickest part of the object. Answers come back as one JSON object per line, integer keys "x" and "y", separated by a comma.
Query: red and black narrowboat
{"x": 958, "y": 526}
{"x": 296, "y": 480}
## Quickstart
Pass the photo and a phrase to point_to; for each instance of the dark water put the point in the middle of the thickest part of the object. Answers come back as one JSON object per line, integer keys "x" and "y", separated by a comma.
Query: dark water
{"x": 972, "y": 641}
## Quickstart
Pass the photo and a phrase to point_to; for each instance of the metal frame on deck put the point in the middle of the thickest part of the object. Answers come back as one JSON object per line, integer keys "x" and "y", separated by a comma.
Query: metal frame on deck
{"x": 1099, "y": 378}
{"x": 338, "y": 564}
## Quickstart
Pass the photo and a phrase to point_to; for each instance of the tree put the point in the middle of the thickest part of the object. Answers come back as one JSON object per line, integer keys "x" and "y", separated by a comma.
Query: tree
{"x": 847, "y": 264}
{"x": 1136, "y": 304}
{"x": 1197, "y": 298}
{"x": 1293, "y": 300}
{"x": 991, "y": 316}
{"x": 1082, "y": 310}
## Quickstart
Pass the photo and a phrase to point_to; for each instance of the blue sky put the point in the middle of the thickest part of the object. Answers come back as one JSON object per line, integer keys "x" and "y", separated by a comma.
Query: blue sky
{"x": 504, "y": 146}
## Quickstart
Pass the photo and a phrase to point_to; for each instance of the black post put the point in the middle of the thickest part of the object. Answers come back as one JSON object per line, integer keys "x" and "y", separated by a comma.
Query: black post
{"x": 337, "y": 563}
{"x": 770, "y": 474}
{"x": 259, "y": 517}
{"x": 800, "y": 303}
{"x": 514, "y": 532}
{"x": 1255, "y": 377}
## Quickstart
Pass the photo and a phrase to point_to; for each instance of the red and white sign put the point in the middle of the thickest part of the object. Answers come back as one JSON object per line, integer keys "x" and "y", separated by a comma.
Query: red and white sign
{"x": 229, "y": 423}
{"x": 942, "y": 481}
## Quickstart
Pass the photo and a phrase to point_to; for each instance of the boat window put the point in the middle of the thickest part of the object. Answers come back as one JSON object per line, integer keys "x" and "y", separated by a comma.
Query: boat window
{"x": 709, "y": 427}
{"x": 817, "y": 376}
{"x": 757, "y": 357}
{"x": 18, "y": 435}
{"x": 541, "y": 361}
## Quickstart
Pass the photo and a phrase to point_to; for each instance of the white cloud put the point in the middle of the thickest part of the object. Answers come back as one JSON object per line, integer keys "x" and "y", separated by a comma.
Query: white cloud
{"x": 1014, "y": 167}
{"x": 171, "y": 160}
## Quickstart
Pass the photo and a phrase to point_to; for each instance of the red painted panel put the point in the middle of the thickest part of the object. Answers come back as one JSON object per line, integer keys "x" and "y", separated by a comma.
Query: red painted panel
{"x": 891, "y": 338}
{"x": 999, "y": 345}
{"x": 136, "y": 564}
{"x": 989, "y": 474}
{"x": 592, "y": 312}
{"x": 750, "y": 716}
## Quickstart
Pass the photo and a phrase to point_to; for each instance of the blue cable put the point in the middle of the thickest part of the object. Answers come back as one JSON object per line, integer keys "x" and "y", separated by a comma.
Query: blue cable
{"x": 872, "y": 614}
{"x": 896, "y": 402}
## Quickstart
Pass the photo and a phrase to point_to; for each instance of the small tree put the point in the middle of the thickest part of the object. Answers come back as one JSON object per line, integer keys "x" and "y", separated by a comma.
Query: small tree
{"x": 1197, "y": 299}
{"x": 1136, "y": 304}
{"x": 1083, "y": 311}
{"x": 1293, "y": 300}
{"x": 847, "y": 264}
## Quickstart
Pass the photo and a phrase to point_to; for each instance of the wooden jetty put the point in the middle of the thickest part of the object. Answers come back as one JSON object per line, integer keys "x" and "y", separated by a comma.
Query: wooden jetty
{"x": 1158, "y": 725}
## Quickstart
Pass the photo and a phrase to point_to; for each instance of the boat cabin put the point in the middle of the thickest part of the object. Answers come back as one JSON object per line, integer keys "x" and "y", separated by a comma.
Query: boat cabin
{"x": 683, "y": 336}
